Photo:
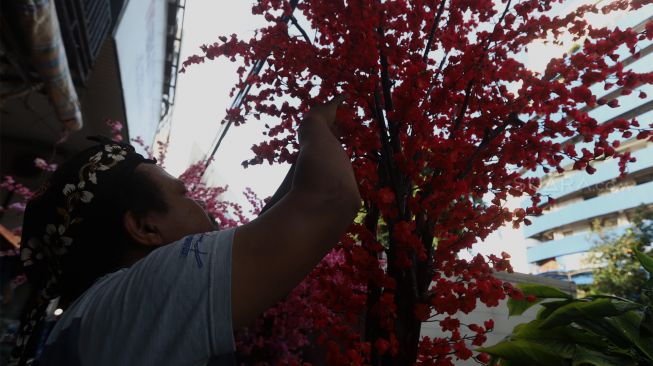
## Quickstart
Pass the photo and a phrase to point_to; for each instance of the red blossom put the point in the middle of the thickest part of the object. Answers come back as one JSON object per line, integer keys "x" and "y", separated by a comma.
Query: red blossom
{"x": 488, "y": 324}
{"x": 531, "y": 298}
{"x": 483, "y": 358}
{"x": 462, "y": 352}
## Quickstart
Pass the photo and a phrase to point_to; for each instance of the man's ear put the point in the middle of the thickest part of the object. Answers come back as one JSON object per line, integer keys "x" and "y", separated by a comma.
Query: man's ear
{"x": 142, "y": 230}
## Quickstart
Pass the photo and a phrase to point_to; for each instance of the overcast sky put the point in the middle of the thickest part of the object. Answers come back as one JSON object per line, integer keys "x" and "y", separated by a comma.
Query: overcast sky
{"x": 203, "y": 96}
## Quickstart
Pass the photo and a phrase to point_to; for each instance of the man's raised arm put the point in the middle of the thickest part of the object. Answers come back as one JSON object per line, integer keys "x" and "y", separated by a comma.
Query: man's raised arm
{"x": 274, "y": 252}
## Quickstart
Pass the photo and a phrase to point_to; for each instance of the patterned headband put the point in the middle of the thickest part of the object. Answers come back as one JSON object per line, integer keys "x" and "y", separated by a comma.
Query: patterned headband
{"x": 57, "y": 213}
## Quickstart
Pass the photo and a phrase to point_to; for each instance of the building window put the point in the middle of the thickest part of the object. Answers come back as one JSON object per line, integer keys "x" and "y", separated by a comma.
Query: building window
{"x": 644, "y": 179}
{"x": 548, "y": 265}
{"x": 609, "y": 222}
{"x": 590, "y": 195}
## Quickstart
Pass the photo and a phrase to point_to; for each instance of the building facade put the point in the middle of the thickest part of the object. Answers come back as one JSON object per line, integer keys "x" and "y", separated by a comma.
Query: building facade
{"x": 558, "y": 240}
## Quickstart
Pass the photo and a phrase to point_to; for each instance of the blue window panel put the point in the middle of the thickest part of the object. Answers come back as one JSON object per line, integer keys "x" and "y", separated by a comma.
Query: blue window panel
{"x": 581, "y": 242}
{"x": 555, "y": 248}
{"x": 598, "y": 206}
{"x": 583, "y": 278}
{"x": 606, "y": 171}
{"x": 579, "y": 279}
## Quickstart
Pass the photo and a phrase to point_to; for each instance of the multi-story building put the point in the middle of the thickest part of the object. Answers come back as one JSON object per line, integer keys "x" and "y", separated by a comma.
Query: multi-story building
{"x": 558, "y": 240}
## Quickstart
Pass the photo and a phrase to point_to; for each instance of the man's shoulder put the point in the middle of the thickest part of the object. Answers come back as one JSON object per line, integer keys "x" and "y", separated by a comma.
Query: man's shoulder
{"x": 79, "y": 307}
{"x": 192, "y": 250}
{"x": 151, "y": 294}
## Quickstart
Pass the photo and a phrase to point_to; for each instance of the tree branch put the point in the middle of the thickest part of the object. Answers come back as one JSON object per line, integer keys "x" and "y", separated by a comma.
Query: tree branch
{"x": 425, "y": 269}
{"x": 427, "y": 96}
{"x": 434, "y": 27}
{"x": 496, "y": 26}
{"x": 238, "y": 101}
{"x": 488, "y": 136}
{"x": 294, "y": 21}
{"x": 372, "y": 329}
{"x": 441, "y": 65}
{"x": 486, "y": 46}
{"x": 386, "y": 151}
{"x": 385, "y": 77}
{"x": 463, "y": 108}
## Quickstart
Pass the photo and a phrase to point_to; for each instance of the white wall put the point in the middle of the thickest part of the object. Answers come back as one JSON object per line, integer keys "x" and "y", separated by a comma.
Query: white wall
{"x": 140, "y": 44}
{"x": 503, "y": 324}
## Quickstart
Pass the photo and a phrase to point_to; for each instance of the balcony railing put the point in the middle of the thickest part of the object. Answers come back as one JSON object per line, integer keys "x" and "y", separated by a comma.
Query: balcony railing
{"x": 595, "y": 207}
{"x": 605, "y": 172}
{"x": 578, "y": 243}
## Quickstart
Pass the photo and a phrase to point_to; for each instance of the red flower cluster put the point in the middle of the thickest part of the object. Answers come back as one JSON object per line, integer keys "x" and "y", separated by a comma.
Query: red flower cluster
{"x": 432, "y": 128}
{"x": 442, "y": 121}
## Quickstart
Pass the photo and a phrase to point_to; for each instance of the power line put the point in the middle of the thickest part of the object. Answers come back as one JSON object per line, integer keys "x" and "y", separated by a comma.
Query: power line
{"x": 239, "y": 99}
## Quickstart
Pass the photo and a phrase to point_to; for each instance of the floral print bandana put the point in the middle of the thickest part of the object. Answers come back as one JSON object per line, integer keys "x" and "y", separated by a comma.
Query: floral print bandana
{"x": 53, "y": 217}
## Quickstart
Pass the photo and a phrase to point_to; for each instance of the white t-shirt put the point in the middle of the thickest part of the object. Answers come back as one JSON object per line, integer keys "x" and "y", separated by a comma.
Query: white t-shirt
{"x": 173, "y": 307}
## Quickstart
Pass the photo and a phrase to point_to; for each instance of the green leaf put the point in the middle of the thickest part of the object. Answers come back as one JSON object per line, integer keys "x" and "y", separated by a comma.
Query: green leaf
{"x": 623, "y": 332}
{"x": 541, "y": 292}
{"x": 584, "y": 356}
{"x": 628, "y": 325}
{"x": 645, "y": 260}
{"x": 549, "y": 307}
{"x": 518, "y": 307}
{"x": 603, "y": 296}
{"x": 606, "y": 330}
{"x": 646, "y": 327}
{"x": 592, "y": 310}
{"x": 565, "y": 335}
{"x": 522, "y": 352}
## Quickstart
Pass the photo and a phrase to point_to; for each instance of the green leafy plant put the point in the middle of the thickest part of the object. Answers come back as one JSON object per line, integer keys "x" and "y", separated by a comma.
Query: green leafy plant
{"x": 616, "y": 270}
{"x": 598, "y": 330}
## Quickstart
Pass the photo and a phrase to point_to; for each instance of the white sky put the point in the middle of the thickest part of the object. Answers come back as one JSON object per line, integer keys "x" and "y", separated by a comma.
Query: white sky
{"x": 203, "y": 96}
{"x": 540, "y": 52}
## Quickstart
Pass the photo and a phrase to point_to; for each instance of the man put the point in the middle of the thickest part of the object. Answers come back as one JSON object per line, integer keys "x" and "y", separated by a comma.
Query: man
{"x": 142, "y": 277}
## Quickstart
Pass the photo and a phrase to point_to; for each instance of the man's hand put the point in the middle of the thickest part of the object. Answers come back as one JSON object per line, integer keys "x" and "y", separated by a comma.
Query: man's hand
{"x": 274, "y": 252}
{"x": 321, "y": 115}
